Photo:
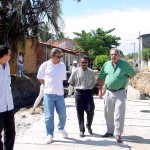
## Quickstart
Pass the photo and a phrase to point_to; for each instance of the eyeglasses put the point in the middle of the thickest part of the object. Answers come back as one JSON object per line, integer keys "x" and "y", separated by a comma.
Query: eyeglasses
{"x": 83, "y": 62}
{"x": 58, "y": 56}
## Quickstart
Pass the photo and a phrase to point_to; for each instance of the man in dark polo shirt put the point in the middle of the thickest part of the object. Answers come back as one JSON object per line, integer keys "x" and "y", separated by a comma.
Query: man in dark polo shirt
{"x": 114, "y": 74}
{"x": 83, "y": 79}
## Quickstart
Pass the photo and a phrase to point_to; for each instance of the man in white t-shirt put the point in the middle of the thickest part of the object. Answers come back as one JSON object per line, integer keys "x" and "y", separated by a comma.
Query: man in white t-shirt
{"x": 53, "y": 72}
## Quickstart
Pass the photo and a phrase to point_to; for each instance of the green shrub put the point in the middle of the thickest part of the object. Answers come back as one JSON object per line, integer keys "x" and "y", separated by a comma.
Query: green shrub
{"x": 146, "y": 54}
{"x": 100, "y": 60}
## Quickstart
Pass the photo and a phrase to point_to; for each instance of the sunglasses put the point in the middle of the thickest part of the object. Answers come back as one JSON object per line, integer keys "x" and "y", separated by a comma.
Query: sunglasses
{"x": 58, "y": 56}
{"x": 83, "y": 62}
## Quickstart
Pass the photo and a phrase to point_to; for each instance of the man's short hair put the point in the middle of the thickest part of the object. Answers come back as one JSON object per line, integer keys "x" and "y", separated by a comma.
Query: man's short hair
{"x": 115, "y": 49}
{"x": 86, "y": 57}
{"x": 55, "y": 51}
{"x": 3, "y": 50}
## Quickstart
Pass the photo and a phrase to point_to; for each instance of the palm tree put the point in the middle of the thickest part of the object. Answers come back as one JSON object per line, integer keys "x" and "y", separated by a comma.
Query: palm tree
{"x": 23, "y": 18}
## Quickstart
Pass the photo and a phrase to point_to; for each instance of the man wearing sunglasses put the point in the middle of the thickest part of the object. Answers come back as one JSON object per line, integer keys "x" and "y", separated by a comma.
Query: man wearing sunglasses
{"x": 83, "y": 80}
{"x": 52, "y": 73}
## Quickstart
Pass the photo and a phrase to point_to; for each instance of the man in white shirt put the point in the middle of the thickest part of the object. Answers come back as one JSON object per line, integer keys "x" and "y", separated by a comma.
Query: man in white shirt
{"x": 20, "y": 64}
{"x": 75, "y": 65}
{"x": 7, "y": 122}
{"x": 53, "y": 72}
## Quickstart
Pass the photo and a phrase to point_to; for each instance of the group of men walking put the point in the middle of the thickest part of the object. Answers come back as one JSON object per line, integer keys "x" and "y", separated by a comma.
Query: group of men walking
{"x": 114, "y": 75}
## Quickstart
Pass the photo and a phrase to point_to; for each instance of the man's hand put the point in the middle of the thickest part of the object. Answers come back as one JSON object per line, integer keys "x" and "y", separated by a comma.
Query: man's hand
{"x": 101, "y": 84}
{"x": 100, "y": 94}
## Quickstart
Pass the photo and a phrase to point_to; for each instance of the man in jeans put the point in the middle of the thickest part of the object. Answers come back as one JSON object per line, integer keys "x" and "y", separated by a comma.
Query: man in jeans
{"x": 53, "y": 72}
{"x": 7, "y": 122}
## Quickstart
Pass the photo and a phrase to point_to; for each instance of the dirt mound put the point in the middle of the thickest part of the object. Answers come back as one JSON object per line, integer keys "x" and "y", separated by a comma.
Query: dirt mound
{"x": 141, "y": 82}
{"x": 24, "y": 90}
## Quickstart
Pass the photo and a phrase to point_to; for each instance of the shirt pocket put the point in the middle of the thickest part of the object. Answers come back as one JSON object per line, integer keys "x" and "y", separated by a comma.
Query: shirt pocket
{"x": 89, "y": 80}
{"x": 119, "y": 73}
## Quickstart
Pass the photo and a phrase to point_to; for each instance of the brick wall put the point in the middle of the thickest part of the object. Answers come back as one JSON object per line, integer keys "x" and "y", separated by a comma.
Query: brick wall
{"x": 13, "y": 63}
{"x": 34, "y": 56}
{"x": 41, "y": 55}
{"x": 30, "y": 57}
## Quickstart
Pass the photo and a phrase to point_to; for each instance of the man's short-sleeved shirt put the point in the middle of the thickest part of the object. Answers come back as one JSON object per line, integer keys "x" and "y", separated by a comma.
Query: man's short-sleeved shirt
{"x": 116, "y": 78}
{"x": 81, "y": 79}
{"x": 53, "y": 75}
{"x": 6, "y": 99}
{"x": 19, "y": 59}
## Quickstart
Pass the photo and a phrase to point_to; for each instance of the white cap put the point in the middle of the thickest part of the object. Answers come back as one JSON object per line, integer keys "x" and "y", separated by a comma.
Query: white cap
{"x": 74, "y": 62}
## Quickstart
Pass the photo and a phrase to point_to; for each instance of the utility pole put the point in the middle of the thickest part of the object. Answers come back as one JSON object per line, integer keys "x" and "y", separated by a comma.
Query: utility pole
{"x": 139, "y": 55}
{"x": 134, "y": 51}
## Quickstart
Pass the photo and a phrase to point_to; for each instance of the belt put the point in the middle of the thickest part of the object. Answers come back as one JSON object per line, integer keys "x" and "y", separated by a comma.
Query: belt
{"x": 115, "y": 90}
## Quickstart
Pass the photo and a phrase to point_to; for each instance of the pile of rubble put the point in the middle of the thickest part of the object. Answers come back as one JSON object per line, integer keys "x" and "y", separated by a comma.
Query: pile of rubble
{"x": 141, "y": 82}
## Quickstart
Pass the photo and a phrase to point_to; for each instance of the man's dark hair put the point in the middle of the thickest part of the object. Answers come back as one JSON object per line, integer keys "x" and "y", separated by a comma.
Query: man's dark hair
{"x": 86, "y": 57}
{"x": 3, "y": 50}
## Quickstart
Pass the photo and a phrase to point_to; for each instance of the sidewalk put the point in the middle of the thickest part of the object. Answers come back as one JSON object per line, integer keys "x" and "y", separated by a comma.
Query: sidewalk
{"x": 136, "y": 134}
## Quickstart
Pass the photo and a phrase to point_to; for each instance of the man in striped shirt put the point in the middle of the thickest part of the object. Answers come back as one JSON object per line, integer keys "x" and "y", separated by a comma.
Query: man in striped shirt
{"x": 83, "y": 80}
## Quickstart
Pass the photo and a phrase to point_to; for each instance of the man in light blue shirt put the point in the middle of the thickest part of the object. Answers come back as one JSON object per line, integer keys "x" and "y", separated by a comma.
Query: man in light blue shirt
{"x": 7, "y": 122}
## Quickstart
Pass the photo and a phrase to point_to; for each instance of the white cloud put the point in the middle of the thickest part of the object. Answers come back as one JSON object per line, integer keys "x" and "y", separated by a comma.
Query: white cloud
{"x": 128, "y": 23}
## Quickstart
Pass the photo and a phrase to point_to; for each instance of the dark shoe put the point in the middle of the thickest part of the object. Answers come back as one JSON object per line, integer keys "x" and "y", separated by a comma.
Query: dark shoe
{"x": 107, "y": 134}
{"x": 90, "y": 130}
{"x": 118, "y": 138}
{"x": 81, "y": 134}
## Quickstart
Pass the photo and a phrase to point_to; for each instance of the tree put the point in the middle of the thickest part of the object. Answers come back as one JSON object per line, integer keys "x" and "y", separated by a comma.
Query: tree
{"x": 100, "y": 60}
{"x": 44, "y": 32}
{"x": 146, "y": 54}
{"x": 98, "y": 42}
{"x": 131, "y": 56}
{"x": 20, "y": 19}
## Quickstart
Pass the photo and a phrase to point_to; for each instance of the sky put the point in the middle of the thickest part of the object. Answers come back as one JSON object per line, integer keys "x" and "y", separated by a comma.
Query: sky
{"x": 129, "y": 18}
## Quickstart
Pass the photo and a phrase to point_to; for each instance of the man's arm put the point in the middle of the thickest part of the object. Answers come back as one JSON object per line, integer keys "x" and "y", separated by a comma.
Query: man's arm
{"x": 101, "y": 84}
{"x": 20, "y": 61}
{"x": 71, "y": 79}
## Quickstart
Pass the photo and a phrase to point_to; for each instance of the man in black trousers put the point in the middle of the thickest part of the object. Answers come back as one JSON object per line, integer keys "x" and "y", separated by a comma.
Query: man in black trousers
{"x": 7, "y": 122}
{"x": 83, "y": 80}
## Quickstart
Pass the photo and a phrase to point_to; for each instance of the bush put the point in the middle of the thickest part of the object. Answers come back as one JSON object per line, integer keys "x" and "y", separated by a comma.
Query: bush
{"x": 146, "y": 54}
{"x": 100, "y": 60}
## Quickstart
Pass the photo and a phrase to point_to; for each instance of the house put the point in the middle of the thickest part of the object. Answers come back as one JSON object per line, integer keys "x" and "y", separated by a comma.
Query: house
{"x": 144, "y": 42}
{"x": 37, "y": 52}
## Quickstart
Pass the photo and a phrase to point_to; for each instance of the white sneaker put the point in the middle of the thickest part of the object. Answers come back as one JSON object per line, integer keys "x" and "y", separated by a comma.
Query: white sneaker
{"x": 63, "y": 132}
{"x": 49, "y": 139}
